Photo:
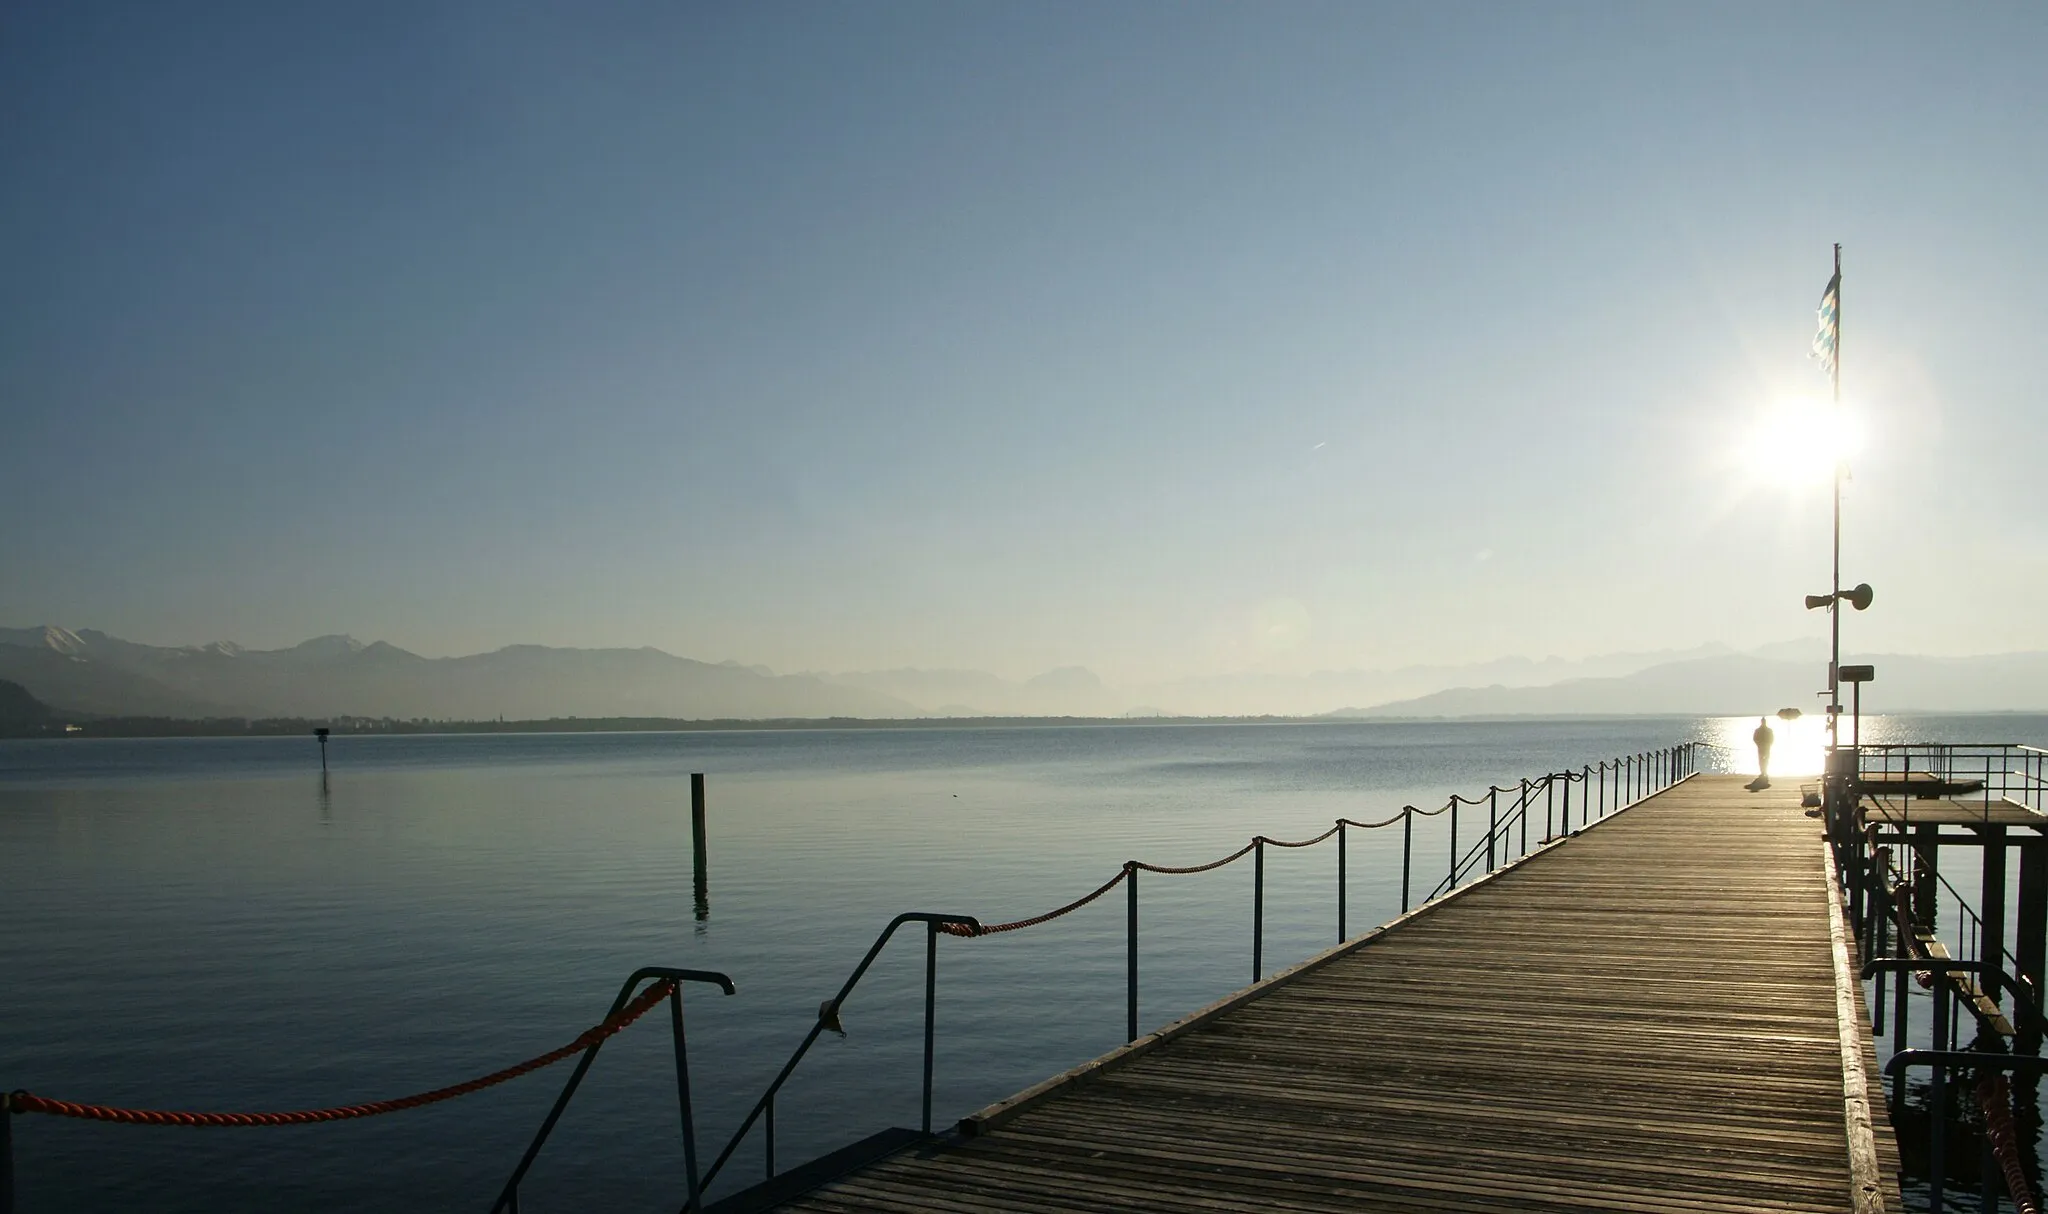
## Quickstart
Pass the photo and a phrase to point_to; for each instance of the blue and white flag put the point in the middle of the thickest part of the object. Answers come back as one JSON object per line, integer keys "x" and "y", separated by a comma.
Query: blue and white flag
{"x": 1830, "y": 332}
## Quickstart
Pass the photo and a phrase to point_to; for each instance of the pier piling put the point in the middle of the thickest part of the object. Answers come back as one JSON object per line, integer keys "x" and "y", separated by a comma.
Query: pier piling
{"x": 697, "y": 847}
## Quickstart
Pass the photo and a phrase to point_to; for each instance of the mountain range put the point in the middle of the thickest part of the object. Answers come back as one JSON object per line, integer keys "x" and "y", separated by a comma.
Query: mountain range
{"x": 1736, "y": 684}
{"x": 92, "y": 673}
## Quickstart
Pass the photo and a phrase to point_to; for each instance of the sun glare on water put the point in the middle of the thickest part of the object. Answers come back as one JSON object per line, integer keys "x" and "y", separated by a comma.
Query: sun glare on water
{"x": 1798, "y": 748}
{"x": 1798, "y": 442}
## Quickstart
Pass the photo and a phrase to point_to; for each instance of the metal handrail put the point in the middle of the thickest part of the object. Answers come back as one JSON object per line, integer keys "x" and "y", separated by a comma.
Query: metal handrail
{"x": 2023, "y": 998}
{"x": 829, "y": 1012}
{"x": 508, "y": 1197}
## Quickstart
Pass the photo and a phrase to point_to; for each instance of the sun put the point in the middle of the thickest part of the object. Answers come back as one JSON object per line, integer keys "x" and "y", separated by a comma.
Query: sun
{"x": 1797, "y": 442}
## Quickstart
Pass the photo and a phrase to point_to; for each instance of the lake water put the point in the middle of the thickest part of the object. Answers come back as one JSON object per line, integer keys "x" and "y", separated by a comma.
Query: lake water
{"x": 204, "y": 924}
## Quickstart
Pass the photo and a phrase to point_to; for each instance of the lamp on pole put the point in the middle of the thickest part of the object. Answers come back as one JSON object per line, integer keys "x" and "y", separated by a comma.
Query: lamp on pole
{"x": 1840, "y": 773}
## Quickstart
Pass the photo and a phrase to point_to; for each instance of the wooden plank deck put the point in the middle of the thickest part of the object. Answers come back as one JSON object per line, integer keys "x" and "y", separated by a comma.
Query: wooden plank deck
{"x": 1641, "y": 1018}
{"x": 1897, "y": 811}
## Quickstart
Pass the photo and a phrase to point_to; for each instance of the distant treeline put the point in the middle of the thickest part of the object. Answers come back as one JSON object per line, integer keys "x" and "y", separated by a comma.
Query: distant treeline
{"x": 236, "y": 727}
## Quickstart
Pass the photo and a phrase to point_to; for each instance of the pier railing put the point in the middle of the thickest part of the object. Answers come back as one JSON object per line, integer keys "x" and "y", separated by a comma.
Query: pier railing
{"x": 1915, "y": 927}
{"x": 2007, "y": 771}
{"x": 1503, "y": 837}
{"x": 1566, "y": 801}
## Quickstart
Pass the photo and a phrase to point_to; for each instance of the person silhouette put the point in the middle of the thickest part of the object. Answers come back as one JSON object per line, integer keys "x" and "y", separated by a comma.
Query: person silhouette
{"x": 1763, "y": 737}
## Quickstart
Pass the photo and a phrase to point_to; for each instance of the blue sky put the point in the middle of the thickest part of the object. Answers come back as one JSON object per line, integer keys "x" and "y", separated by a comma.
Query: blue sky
{"x": 1162, "y": 339}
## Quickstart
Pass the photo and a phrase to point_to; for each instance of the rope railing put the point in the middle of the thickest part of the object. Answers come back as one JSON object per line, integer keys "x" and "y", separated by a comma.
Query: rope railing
{"x": 28, "y": 1102}
{"x": 990, "y": 929}
{"x": 1407, "y": 814}
{"x": 1670, "y": 765}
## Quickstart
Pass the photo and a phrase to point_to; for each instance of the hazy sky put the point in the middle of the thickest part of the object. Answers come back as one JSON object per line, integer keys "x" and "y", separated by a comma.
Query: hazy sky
{"x": 1160, "y": 338}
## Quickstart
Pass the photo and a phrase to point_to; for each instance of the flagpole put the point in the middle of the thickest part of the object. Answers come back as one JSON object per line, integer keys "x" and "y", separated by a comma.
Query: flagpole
{"x": 1835, "y": 605}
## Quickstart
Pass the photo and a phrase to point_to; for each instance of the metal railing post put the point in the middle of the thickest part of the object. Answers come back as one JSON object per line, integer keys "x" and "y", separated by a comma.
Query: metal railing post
{"x": 1524, "y": 803}
{"x": 1258, "y": 903}
{"x": 931, "y": 1000}
{"x": 1342, "y": 883}
{"x": 1585, "y": 794}
{"x": 1937, "y": 1102}
{"x": 1549, "y": 808}
{"x": 1899, "y": 1018}
{"x": 1492, "y": 824}
{"x": 1567, "y": 801}
{"x": 1453, "y": 880}
{"x": 1407, "y": 850}
{"x": 693, "y": 1199}
{"x": 1131, "y": 950}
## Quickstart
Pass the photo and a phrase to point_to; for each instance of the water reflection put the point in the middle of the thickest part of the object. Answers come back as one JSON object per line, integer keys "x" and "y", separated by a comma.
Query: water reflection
{"x": 1799, "y": 747}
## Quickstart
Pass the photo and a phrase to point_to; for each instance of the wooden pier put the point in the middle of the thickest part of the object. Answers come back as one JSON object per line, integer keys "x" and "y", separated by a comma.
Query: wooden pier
{"x": 1658, "y": 1014}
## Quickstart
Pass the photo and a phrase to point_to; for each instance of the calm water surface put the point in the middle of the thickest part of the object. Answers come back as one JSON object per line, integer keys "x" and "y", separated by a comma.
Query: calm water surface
{"x": 201, "y": 923}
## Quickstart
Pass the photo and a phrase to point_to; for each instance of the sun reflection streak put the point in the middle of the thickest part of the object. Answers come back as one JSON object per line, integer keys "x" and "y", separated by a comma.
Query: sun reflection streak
{"x": 1799, "y": 747}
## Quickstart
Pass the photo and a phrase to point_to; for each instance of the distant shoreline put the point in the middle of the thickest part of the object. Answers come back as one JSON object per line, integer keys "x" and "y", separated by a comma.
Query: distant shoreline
{"x": 237, "y": 727}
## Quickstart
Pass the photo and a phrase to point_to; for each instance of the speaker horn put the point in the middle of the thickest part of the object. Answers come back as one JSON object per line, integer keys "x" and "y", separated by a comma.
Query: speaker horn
{"x": 1859, "y": 598}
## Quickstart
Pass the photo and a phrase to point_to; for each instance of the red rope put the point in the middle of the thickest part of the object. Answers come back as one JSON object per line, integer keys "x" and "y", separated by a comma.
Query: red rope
{"x": 1996, "y": 1099}
{"x": 26, "y": 1102}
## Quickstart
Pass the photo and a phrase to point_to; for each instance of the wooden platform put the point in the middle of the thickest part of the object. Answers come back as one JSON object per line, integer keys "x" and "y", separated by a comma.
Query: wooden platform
{"x": 1898, "y": 811}
{"x": 1642, "y": 1018}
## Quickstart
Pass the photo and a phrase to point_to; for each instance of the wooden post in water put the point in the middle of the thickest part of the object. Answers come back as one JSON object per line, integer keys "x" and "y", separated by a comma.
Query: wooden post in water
{"x": 701, "y": 883}
{"x": 321, "y": 733}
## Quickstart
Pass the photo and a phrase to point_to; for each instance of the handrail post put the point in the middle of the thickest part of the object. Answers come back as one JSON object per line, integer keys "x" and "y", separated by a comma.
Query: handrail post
{"x": 1492, "y": 823}
{"x": 510, "y": 1194}
{"x": 1937, "y": 1102}
{"x": 693, "y": 1199}
{"x": 6, "y": 1155}
{"x": 1567, "y": 823}
{"x": 1131, "y": 950}
{"x": 1585, "y": 794}
{"x": 1549, "y": 807}
{"x": 508, "y": 1197}
{"x": 1524, "y": 803}
{"x": 931, "y": 999}
{"x": 1407, "y": 850}
{"x": 1258, "y": 903}
{"x": 1342, "y": 882}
